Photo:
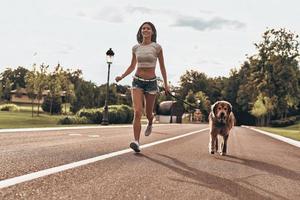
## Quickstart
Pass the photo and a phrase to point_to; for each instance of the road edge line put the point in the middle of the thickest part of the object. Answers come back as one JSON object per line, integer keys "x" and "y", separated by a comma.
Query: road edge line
{"x": 278, "y": 137}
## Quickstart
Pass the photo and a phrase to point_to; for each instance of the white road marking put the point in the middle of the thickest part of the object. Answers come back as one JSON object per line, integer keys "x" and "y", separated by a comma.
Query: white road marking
{"x": 71, "y": 128}
{"x": 278, "y": 137}
{"x": 28, "y": 177}
{"x": 93, "y": 136}
{"x": 74, "y": 134}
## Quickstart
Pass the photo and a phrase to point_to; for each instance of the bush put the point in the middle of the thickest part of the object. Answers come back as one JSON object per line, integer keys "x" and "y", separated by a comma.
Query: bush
{"x": 94, "y": 115}
{"x": 283, "y": 123}
{"x": 9, "y": 107}
{"x": 117, "y": 114}
{"x": 56, "y": 104}
{"x": 74, "y": 120}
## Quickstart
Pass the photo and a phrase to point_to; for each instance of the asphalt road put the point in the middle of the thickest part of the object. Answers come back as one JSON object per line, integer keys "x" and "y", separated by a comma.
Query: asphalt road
{"x": 256, "y": 167}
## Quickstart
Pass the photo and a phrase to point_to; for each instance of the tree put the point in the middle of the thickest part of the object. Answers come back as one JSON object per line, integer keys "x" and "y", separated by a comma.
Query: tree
{"x": 31, "y": 86}
{"x": 205, "y": 103}
{"x": 36, "y": 81}
{"x": 193, "y": 80}
{"x": 15, "y": 76}
{"x": 54, "y": 85}
{"x": 273, "y": 73}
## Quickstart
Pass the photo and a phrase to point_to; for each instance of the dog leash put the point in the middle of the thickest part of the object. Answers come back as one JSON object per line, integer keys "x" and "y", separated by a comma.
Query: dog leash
{"x": 179, "y": 99}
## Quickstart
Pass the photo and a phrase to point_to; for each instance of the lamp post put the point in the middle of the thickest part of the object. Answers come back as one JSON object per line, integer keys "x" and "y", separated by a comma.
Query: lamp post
{"x": 109, "y": 57}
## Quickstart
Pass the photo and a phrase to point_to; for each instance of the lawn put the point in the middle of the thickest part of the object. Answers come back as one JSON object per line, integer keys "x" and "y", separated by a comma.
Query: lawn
{"x": 24, "y": 120}
{"x": 292, "y": 132}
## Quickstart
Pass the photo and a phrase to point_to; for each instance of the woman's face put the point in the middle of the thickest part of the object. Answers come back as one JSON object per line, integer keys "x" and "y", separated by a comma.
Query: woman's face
{"x": 146, "y": 31}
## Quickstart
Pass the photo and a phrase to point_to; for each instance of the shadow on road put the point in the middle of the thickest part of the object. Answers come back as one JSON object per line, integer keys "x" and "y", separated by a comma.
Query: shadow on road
{"x": 263, "y": 166}
{"x": 210, "y": 181}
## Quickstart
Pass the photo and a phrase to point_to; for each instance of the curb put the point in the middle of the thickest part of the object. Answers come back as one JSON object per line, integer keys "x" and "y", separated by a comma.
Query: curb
{"x": 278, "y": 137}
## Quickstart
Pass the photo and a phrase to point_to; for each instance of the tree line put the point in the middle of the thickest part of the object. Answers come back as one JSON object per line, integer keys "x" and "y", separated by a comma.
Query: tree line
{"x": 265, "y": 87}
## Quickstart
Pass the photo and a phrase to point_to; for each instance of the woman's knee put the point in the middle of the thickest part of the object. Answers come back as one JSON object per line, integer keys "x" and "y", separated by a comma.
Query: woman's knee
{"x": 149, "y": 115}
{"x": 137, "y": 114}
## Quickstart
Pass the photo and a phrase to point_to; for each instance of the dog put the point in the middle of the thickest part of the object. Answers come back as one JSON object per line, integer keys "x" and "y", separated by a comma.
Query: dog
{"x": 221, "y": 121}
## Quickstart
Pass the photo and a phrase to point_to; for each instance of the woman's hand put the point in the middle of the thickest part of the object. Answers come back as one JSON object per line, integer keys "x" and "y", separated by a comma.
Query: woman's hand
{"x": 118, "y": 78}
{"x": 167, "y": 89}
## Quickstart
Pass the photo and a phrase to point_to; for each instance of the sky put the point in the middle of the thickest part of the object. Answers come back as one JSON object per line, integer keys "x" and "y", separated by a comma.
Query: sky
{"x": 210, "y": 36}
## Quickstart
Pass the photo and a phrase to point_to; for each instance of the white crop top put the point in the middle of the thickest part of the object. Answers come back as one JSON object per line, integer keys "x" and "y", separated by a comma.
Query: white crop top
{"x": 146, "y": 55}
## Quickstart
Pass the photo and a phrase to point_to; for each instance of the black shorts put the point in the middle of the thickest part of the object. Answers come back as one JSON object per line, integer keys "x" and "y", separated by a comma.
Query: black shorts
{"x": 147, "y": 85}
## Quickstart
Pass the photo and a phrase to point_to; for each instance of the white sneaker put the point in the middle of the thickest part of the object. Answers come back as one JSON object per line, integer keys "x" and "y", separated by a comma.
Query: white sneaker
{"x": 148, "y": 130}
{"x": 135, "y": 146}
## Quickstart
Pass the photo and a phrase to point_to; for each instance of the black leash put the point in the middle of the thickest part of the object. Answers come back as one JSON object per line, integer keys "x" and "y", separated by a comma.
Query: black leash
{"x": 178, "y": 99}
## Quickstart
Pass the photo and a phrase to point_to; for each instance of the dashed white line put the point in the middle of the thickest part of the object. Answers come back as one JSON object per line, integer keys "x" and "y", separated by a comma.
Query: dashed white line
{"x": 74, "y": 134}
{"x": 93, "y": 136}
{"x": 28, "y": 177}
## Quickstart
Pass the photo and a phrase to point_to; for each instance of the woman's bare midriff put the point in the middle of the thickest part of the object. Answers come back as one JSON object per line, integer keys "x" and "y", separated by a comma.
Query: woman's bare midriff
{"x": 146, "y": 73}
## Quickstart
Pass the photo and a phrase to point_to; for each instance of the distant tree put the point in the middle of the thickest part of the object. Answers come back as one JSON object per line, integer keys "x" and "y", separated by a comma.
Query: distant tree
{"x": 37, "y": 81}
{"x": 15, "y": 76}
{"x": 1, "y": 91}
{"x": 31, "y": 86}
{"x": 204, "y": 104}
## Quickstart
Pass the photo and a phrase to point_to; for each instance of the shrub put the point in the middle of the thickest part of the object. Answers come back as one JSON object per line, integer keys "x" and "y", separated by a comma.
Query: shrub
{"x": 9, "y": 107}
{"x": 74, "y": 120}
{"x": 283, "y": 123}
{"x": 117, "y": 114}
{"x": 56, "y": 104}
{"x": 94, "y": 115}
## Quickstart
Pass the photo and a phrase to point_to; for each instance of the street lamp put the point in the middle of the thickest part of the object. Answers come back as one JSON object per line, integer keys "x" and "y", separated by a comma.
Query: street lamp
{"x": 109, "y": 57}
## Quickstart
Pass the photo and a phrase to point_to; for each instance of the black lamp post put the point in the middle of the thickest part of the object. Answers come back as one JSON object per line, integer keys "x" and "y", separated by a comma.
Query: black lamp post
{"x": 109, "y": 57}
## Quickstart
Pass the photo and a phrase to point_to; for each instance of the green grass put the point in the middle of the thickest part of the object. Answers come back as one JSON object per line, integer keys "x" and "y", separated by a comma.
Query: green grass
{"x": 24, "y": 120}
{"x": 292, "y": 132}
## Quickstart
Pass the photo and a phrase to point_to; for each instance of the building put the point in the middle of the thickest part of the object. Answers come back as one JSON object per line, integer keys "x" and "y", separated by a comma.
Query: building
{"x": 21, "y": 96}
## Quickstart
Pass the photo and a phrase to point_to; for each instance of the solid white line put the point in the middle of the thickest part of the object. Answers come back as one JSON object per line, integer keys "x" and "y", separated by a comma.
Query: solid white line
{"x": 46, "y": 172}
{"x": 70, "y": 128}
{"x": 278, "y": 137}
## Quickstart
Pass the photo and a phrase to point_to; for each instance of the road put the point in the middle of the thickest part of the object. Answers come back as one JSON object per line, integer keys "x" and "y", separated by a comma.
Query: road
{"x": 174, "y": 164}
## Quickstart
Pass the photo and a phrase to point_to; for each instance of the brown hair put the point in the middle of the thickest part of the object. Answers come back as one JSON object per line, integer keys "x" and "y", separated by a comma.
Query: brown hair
{"x": 139, "y": 35}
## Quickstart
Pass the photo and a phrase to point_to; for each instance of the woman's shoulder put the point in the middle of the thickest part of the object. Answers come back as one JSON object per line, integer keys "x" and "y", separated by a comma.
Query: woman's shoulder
{"x": 156, "y": 45}
{"x": 135, "y": 47}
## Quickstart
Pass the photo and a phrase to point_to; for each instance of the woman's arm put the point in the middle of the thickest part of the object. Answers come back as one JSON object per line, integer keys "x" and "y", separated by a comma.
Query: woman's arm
{"x": 163, "y": 70}
{"x": 129, "y": 69}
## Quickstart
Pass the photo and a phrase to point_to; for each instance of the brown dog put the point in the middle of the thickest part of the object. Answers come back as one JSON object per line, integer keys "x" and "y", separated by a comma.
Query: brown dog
{"x": 221, "y": 121}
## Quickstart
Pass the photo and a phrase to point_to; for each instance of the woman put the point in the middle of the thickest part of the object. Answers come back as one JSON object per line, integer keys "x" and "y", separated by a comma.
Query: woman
{"x": 144, "y": 85}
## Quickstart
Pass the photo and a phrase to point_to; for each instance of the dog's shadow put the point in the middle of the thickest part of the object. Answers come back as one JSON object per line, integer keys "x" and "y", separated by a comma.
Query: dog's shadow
{"x": 262, "y": 166}
{"x": 205, "y": 179}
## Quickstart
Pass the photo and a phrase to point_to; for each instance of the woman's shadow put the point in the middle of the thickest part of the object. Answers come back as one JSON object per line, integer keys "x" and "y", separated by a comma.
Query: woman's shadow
{"x": 214, "y": 182}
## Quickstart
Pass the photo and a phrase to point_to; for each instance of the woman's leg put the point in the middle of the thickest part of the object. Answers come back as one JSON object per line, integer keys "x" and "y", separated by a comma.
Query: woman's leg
{"x": 137, "y": 100}
{"x": 150, "y": 99}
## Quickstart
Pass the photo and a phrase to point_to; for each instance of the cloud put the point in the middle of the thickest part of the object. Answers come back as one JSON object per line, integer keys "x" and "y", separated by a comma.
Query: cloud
{"x": 131, "y": 9}
{"x": 117, "y": 14}
{"x": 106, "y": 14}
{"x": 203, "y": 25}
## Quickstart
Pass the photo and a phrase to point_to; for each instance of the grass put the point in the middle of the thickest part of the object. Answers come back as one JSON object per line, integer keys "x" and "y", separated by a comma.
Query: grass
{"x": 24, "y": 120}
{"x": 292, "y": 132}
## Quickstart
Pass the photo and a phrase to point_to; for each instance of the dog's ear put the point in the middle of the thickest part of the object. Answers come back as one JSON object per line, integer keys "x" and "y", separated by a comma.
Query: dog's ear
{"x": 213, "y": 109}
{"x": 229, "y": 108}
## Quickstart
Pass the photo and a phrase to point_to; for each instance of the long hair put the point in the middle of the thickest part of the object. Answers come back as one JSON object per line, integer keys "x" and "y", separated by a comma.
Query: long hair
{"x": 139, "y": 35}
